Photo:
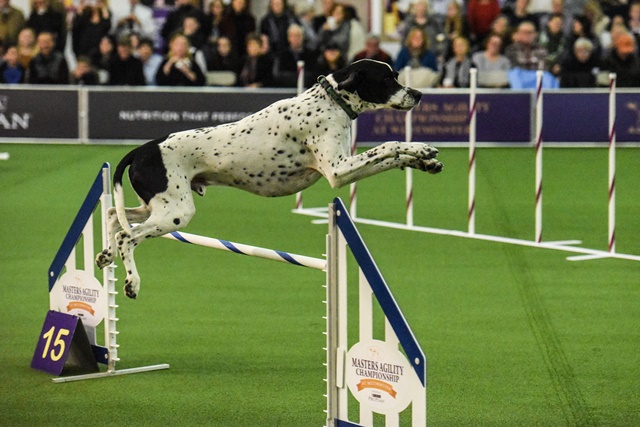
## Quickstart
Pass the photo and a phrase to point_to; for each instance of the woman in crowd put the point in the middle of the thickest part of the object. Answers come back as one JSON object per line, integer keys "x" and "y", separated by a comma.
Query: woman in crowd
{"x": 257, "y": 70}
{"x": 179, "y": 68}
{"x": 415, "y": 52}
{"x": 491, "y": 64}
{"x": 456, "y": 70}
{"x": 90, "y": 24}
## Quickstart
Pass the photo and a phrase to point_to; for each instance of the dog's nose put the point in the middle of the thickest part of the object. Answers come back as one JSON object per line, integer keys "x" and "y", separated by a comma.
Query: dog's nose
{"x": 416, "y": 94}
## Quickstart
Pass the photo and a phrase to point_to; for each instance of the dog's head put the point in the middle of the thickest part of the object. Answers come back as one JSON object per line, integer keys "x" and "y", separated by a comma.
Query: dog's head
{"x": 370, "y": 85}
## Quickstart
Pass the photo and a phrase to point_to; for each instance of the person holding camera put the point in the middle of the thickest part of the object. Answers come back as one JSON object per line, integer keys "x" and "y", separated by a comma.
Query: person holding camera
{"x": 137, "y": 19}
{"x": 179, "y": 68}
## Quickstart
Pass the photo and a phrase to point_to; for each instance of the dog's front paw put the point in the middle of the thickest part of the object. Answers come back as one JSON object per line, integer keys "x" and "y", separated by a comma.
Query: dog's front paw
{"x": 428, "y": 152}
{"x": 432, "y": 166}
{"x": 104, "y": 258}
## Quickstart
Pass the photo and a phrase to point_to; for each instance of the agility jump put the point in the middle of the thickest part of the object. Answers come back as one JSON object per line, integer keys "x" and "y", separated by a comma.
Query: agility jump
{"x": 382, "y": 378}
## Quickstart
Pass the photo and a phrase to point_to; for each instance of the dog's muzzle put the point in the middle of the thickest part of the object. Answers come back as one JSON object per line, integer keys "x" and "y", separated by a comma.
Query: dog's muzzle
{"x": 415, "y": 94}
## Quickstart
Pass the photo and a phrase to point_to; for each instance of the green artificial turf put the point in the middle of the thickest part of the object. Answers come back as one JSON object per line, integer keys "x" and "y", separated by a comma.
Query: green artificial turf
{"x": 515, "y": 336}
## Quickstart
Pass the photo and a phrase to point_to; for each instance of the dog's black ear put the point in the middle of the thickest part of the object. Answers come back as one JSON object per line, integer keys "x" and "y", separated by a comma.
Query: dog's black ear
{"x": 350, "y": 80}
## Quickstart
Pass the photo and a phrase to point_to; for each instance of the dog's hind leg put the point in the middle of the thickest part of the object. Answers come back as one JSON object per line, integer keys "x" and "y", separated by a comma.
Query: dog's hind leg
{"x": 135, "y": 215}
{"x": 167, "y": 215}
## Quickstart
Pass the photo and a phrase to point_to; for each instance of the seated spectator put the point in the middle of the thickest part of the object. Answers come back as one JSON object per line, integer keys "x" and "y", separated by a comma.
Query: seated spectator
{"x": 175, "y": 19}
{"x": 480, "y": 16}
{"x": 623, "y": 60}
{"x": 456, "y": 70}
{"x": 336, "y": 31}
{"x": 257, "y": 69}
{"x": 27, "y": 48}
{"x": 557, "y": 7}
{"x": 419, "y": 17}
{"x": 179, "y": 68}
{"x": 11, "y": 71}
{"x": 491, "y": 64}
{"x": 286, "y": 64}
{"x": 192, "y": 29}
{"x": 90, "y": 24}
{"x": 319, "y": 20}
{"x": 331, "y": 60}
{"x": 213, "y": 19}
{"x": 357, "y": 35}
{"x": 633, "y": 21}
{"x": 11, "y": 22}
{"x": 553, "y": 40}
{"x": 525, "y": 52}
{"x": 415, "y": 53}
{"x": 137, "y": 18}
{"x": 49, "y": 65}
{"x": 276, "y": 23}
{"x": 126, "y": 69}
{"x": 84, "y": 73}
{"x": 581, "y": 27}
{"x": 373, "y": 51}
{"x": 150, "y": 60}
{"x": 45, "y": 18}
{"x": 104, "y": 58}
{"x": 500, "y": 26}
{"x": 580, "y": 68}
{"x": 598, "y": 21}
{"x": 455, "y": 25}
{"x": 237, "y": 23}
{"x": 221, "y": 56}
{"x": 519, "y": 13}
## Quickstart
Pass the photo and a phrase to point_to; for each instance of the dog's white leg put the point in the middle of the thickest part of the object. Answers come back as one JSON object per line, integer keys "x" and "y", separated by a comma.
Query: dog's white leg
{"x": 167, "y": 215}
{"x": 135, "y": 215}
{"x": 390, "y": 155}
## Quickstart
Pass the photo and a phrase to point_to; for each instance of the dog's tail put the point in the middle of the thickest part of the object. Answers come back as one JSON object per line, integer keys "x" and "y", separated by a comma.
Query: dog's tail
{"x": 118, "y": 192}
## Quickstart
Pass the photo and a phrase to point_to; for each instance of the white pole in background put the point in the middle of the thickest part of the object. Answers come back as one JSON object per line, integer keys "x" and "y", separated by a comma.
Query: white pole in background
{"x": 538, "y": 214}
{"x": 472, "y": 151}
{"x": 612, "y": 162}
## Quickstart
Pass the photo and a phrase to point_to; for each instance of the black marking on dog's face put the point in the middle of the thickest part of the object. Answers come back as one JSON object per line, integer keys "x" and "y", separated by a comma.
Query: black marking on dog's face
{"x": 374, "y": 81}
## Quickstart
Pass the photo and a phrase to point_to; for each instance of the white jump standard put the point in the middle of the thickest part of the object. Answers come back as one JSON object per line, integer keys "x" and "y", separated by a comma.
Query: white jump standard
{"x": 399, "y": 383}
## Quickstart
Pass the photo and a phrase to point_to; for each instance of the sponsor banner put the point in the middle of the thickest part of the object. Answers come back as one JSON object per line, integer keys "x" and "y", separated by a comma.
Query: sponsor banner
{"x": 504, "y": 117}
{"x": 584, "y": 117}
{"x": 39, "y": 113}
{"x": 144, "y": 114}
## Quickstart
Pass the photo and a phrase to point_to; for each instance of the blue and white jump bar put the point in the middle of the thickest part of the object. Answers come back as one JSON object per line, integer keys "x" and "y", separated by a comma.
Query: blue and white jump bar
{"x": 254, "y": 251}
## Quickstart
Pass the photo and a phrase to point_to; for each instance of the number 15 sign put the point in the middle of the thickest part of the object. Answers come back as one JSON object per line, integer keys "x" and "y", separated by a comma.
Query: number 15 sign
{"x": 59, "y": 338}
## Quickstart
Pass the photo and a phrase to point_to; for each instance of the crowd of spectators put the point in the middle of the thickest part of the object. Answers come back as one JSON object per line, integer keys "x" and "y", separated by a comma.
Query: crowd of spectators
{"x": 221, "y": 42}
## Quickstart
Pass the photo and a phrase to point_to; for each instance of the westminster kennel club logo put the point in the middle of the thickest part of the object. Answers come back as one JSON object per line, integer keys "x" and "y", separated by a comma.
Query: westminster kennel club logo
{"x": 12, "y": 120}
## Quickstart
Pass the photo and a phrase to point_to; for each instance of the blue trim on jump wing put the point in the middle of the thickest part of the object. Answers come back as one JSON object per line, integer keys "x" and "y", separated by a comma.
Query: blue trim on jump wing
{"x": 342, "y": 423}
{"x": 381, "y": 291}
{"x": 73, "y": 235}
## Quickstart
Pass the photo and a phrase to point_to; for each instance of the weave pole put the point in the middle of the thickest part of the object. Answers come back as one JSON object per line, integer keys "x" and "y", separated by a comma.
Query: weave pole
{"x": 612, "y": 162}
{"x": 300, "y": 86}
{"x": 408, "y": 171}
{"x": 538, "y": 214}
{"x": 472, "y": 150}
